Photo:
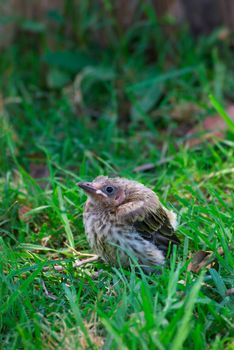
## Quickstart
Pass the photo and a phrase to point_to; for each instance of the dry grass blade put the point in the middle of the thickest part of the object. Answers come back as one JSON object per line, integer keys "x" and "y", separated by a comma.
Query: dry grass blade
{"x": 77, "y": 263}
{"x": 151, "y": 166}
{"x": 216, "y": 174}
{"x": 144, "y": 167}
{"x": 48, "y": 294}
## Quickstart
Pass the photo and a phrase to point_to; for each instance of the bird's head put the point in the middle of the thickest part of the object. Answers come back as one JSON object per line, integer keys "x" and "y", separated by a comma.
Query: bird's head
{"x": 113, "y": 192}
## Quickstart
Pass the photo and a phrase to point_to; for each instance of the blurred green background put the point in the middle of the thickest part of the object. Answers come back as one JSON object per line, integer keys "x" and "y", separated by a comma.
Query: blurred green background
{"x": 109, "y": 70}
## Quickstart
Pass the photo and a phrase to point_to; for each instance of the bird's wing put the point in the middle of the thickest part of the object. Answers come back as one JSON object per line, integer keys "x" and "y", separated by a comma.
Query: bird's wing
{"x": 152, "y": 224}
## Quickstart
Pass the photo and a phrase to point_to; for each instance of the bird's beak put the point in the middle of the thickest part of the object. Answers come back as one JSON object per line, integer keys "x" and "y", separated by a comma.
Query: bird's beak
{"x": 87, "y": 187}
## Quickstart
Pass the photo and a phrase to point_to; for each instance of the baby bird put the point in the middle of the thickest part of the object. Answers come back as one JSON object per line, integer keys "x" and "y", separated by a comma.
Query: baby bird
{"x": 123, "y": 218}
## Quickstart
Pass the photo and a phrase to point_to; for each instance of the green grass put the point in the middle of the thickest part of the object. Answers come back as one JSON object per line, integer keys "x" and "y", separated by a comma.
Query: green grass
{"x": 124, "y": 120}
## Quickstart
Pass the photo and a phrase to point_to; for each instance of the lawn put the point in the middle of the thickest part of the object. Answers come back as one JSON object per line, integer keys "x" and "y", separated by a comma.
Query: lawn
{"x": 71, "y": 114}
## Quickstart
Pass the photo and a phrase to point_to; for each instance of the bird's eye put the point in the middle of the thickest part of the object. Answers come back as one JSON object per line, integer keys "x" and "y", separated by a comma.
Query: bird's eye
{"x": 109, "y": 189}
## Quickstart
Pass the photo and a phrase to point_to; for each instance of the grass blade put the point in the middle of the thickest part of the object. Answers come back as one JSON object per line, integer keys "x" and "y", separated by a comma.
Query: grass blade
{"x": 184, "y": 327}
{"x": 65, "y": 220}
{"x": 227, "y": 119}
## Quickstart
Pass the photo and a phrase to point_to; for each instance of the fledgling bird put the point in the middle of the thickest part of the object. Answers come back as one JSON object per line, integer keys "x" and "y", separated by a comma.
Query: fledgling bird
{"x": 123, "y": 218}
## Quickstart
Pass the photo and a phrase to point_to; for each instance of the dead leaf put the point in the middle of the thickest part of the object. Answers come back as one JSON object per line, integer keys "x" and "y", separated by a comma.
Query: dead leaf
{"x": 23, "y": 210}
{"x": 229, "y": 291}
{"x": 183, "y": 112}
{"x": 211, "y": 136}
{"x": 199, "y": 260}
{"x": 212, "y": 127}
{"x": 224, "y": 34}
{"x": 39, "y": 171}
{"x": 203, "y": 259}
{"x": 45, "y": 240}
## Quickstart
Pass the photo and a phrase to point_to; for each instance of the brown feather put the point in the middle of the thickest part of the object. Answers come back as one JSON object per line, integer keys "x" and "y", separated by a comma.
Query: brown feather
{"x": 152, "y": 223}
